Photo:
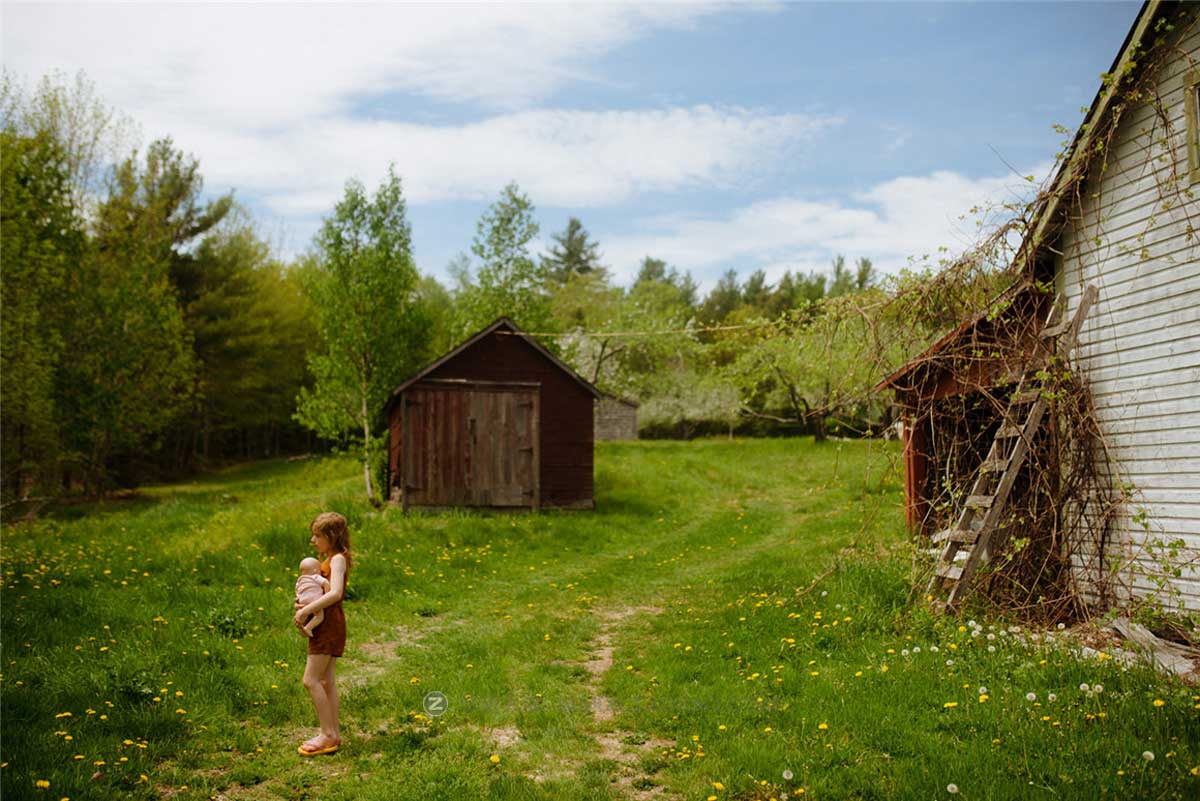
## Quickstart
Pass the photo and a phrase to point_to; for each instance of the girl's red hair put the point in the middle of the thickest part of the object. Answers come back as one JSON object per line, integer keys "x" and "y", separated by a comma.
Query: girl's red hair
{"x": 334, "y": 527}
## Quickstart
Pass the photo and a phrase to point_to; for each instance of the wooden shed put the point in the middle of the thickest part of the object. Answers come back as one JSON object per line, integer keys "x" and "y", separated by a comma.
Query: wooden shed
{"x": 498, "y": 421}
{"x": 616, "y": 419}
{"x": 1120, "y": 215}
{"x": 945, "y": 396}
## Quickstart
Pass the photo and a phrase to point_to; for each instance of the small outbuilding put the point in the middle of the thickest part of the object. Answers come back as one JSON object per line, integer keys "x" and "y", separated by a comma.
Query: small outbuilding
{"x": 616, "y": 419}
{"x": 948, "y": 400}
{"x": 498, "y": 421}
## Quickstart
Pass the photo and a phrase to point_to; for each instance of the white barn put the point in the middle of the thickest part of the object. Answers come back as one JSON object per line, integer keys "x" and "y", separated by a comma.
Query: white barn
{"x": 1124, "y": 215}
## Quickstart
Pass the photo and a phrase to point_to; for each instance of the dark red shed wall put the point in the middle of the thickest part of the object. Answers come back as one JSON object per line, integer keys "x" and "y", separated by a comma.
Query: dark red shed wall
{"x": 566, "y": 411}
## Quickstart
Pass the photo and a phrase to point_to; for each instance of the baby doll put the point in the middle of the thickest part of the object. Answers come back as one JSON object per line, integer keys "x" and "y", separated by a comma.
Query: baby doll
{"x": 309, "y": 587}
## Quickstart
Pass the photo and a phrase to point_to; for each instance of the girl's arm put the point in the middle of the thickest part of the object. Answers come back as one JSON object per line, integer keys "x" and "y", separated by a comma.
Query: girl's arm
{"x": 337, "y": 586}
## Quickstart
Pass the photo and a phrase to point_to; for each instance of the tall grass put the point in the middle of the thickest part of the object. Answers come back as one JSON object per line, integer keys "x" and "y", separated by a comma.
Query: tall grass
{"x": 147, "y": 647}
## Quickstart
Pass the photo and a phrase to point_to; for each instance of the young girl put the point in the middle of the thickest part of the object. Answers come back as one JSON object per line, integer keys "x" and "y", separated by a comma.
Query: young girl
{"x": 331, "y": 539}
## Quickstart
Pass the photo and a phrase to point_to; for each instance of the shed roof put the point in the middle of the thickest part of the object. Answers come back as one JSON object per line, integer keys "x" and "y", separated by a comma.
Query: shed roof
{"x": 504, "y": 326}
{"x": 1040, "y": 232}
{"x": 626, "y": 401}
{"x": 923, "y": 357}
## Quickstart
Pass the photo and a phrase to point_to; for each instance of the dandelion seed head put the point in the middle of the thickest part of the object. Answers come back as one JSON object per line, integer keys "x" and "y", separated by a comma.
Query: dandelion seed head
{"x": 787, "y": 775}
{"x": 1148, "y": 756}
{"x": 1030, "y": 696}
{"x": 952, "y": 789}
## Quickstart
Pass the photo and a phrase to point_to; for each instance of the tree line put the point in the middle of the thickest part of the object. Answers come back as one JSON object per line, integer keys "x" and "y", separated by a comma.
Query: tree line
{"x": 149, "y": 332}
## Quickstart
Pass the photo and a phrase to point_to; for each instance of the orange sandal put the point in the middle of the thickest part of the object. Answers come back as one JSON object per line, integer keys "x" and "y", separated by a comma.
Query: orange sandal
{"x": 329, "y": 749}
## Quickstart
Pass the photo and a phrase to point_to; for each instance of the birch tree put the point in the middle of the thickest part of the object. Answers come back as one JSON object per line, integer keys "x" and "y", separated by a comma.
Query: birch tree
{"x": 363, "y": 287}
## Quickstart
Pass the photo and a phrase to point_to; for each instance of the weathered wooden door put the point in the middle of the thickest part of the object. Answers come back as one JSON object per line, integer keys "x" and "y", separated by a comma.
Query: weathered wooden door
{"x": 470, "y": 444}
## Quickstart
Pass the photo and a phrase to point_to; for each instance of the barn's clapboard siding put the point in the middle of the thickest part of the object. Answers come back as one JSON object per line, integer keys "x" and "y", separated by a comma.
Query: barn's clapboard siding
{"x": 565, "y": 446}
{"x": 1140, "y": 346}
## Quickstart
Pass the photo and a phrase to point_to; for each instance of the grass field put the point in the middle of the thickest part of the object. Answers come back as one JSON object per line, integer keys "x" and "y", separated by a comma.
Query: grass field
{"x": 733, "y": 622}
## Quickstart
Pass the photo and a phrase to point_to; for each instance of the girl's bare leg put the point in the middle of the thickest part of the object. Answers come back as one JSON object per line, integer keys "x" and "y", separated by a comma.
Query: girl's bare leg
{"x": 329, "y": 682}
{"x": 314, "y": 672}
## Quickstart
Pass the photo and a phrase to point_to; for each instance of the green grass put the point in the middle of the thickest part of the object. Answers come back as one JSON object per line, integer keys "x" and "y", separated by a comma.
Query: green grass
{"x": 748, "y": 669}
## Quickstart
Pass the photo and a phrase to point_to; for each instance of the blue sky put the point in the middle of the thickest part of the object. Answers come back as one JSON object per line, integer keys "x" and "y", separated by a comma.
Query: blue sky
{"x": 764, "y": 136}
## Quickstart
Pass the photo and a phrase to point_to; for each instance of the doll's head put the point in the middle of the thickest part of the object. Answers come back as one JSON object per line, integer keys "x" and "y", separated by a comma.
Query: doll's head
{"x": 309, "y": 566}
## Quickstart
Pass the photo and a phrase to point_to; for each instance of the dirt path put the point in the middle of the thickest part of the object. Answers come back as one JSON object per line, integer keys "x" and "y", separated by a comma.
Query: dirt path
{"x": 625, "y": 748}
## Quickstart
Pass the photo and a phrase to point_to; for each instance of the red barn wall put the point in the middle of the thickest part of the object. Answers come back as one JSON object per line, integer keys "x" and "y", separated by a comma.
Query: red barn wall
{"x": 566, "y": 429}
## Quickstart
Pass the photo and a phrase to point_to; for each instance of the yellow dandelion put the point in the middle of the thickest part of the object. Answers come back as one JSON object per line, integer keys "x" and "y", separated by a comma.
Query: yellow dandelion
{"x": 718, "y": 786}
{"x": 495, "y": 759}
{"x": 950, "y": 705}
{"x": 1159, "y": 702}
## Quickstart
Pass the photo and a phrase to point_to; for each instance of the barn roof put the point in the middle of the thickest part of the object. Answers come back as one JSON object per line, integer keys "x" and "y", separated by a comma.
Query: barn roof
{"x": 505, "y": 326}
{"x": 1081, "y": 152}
{"x": 1046, "y": 216}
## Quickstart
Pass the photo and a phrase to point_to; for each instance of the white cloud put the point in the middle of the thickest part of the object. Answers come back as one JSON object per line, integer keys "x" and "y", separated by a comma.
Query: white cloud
{"x": 561, "y": 158}
{"x": 905, "y": 217}
{"x": 267, "y": 65}
{"x": 271, "y": 97}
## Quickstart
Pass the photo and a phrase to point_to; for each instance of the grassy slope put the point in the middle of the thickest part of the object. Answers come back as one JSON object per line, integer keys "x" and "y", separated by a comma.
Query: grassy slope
{"x": 743, "y": 671}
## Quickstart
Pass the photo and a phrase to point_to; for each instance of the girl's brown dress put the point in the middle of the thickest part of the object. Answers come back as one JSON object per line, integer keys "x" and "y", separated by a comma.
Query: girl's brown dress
{"x": 330, "y": 636}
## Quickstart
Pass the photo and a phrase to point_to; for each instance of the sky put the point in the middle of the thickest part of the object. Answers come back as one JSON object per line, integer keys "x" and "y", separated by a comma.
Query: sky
{"x": 739, "y": 136}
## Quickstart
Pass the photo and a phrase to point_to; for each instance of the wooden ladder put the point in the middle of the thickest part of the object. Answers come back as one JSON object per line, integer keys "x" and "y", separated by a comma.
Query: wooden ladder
{"x": 985, "y": 505}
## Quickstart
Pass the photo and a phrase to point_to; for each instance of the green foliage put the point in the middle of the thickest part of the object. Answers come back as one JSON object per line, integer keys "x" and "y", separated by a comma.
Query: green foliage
{"x": 507, "y": 281}
{"x": 438, "y": 305}
{"x": 132, "y": 366}
{"x": 722, "y": 300}
{"x": 89, "y": 135}
{"x": 680, "y": 288}
{"x": 248, "y": 322}
{"x": 819, "y": 363}
{"x": 363, "y": 289}
{"x": 572, "y": 253}
{"x": 40, "y": 237}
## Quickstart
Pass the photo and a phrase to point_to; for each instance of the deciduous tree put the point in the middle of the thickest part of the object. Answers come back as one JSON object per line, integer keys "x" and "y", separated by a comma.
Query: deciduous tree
{"x": 507, "y": 280}
{"x": 363, "y": 288}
